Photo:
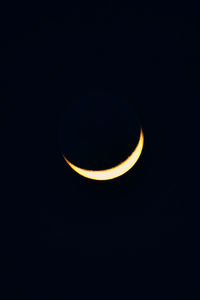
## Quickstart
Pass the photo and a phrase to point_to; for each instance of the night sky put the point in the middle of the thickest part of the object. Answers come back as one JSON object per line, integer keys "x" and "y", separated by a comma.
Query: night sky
{"x": 142, "y": 56}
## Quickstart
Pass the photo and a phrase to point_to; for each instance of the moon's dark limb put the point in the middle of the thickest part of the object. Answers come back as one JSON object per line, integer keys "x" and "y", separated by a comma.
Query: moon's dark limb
{"x": 98, "y": 132}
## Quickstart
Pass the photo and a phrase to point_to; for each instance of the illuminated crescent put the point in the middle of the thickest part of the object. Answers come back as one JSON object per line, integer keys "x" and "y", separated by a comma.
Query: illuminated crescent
{"x": 114, "y": 172}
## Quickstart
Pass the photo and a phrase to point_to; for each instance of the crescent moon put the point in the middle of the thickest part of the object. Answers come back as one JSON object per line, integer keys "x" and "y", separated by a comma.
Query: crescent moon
{"x": 116, "y": 171}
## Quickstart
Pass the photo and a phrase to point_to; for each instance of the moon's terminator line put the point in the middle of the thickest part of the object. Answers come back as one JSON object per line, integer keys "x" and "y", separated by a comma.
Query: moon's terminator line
{"x": 116, "y": 171}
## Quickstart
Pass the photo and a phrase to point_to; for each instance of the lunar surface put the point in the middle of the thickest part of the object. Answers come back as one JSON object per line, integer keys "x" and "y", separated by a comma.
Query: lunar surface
{"x": 100, "y": 136}
{"x": 115, "y": 171}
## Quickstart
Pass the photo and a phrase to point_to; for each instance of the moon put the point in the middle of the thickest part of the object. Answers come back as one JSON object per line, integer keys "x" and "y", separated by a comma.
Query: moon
{"x": 116, "y": 171}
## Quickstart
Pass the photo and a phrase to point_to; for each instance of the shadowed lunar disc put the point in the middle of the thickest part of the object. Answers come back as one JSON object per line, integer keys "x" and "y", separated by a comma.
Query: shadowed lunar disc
{"x": 100, "y": 132}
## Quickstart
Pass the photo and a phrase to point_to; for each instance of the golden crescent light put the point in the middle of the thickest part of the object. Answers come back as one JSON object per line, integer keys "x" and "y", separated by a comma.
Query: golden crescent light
{"x": 116, "y": 171}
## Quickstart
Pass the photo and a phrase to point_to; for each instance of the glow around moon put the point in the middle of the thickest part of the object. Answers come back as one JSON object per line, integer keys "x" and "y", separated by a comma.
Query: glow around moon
{"x": 116, "y": 171}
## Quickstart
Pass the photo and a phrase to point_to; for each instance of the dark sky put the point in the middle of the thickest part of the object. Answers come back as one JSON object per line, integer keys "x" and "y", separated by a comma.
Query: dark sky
{"x": 144, "y": 56}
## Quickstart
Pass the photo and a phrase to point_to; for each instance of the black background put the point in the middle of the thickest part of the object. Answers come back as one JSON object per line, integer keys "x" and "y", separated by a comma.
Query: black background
{"x": 149, "y": 57}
